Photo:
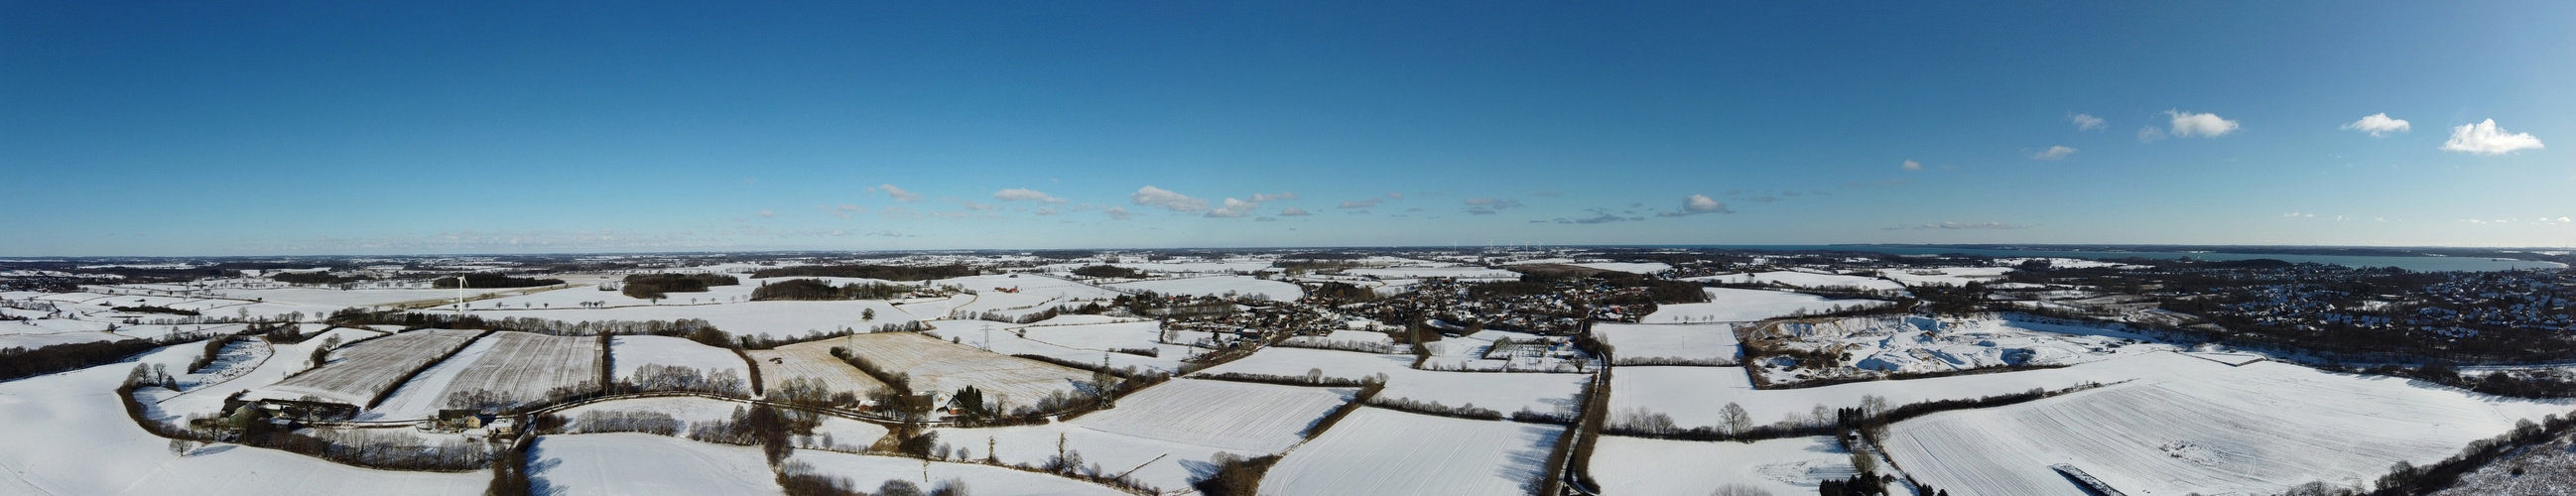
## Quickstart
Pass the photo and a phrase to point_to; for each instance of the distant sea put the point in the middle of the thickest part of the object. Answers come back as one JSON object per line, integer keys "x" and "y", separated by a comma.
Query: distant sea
{"x": 2417, "y": 264}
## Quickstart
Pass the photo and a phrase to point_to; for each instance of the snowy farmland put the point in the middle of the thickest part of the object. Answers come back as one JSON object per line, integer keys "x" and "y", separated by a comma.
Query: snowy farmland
{"x": 1745, "y": 305}
{"x": 944, "y": 367}
{"x": 691, "y": 411}
{"x": 1499, "y": 391}
{"x": 1258, "y": 418}
{"x": 628, "y": 354}
{"x": 1785, "y": 466}
{"x": 1669, "y": 341}
{"x": 765, "y": 319}
{"x": 1806, "y": 280}
{"x": 628, "y": 463}
{"x": 1245, "y": 286}
{"x": 1377, "y": 451}
{"x": 66, "y": 435}
{"x": 868, "y": 472}
{"x": 357, "y": 373}
{"x": 1693, "y": 396}
{"x": 2207, "y": 428}
{"x": 525, "y": 367}
{"x": 1430, "y": 272}
{"x": 812, "y": 360}
{"x": 1081, "y": 343}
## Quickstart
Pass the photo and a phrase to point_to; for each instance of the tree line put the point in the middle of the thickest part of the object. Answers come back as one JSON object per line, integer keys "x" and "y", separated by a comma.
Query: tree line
{"x": 886, "y": 272}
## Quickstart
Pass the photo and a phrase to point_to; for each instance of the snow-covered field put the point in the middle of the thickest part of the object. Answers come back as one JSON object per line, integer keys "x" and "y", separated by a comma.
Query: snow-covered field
{"x": 870, "y": 472}
{"x": 1033, "y": 294}
{"x": 690, "y": 410}
{"x": 1429, "y": 272}
{"x": 632, "y": 464}
{"x": 2207, "y": 428}
{"x": 1260, "y": 418}
{"x": 1219, "y": 286}
{"x": 1744, "y": 305}
{"x": 1694, "y": 395}
{"x": 283, "y": 361}
{"x": 939, "y": 366}
{"x": 1086, "y": 343}
{"x": 1378, "y": 451}
{"x": 1164, "y": 464}
{"x": 1805, "y": 280}
{"x": 358, "y": 372}
{"x": 1500, "y": 391}
{"x": 1785, "y": 467}
{"x": 1954, "y": 276}
{"x": 66, "y": 434}
{"x": 346, "y": 298}
{"x": 768, "y": 319}
{"x": 629, "y": 353}
{"x": 526, "y": 366}
{"x": 1629, "y": 267}
{"x": 1683, "y": 341}
{"x": 812, "y": 360}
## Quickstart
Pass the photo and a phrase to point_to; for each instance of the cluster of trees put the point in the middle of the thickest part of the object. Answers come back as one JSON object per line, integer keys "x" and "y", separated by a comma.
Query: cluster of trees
{"x": 2407, "y": 479}
{"x": 1358, "y": 346}
{"x": 660, "y": 377}
{"x": 1367, "y": 391}
{"x": 315, "y": 278}
{"x": 593, "y": 422}
{"x": 653, "y": 286}
{"x": 1861, "y": 484}
{"x": 1108, "y": 271}
{"x": 817, "y": 289}
{"x": 1339, "y": 293}
{"x": 155, "y": 309}
{"x": 1235, "y": 475}
{"x": 20, "y": 362}
{"x": 487, "y": 281}
{"x": 1312, "y": 378}
{"x": 773, "y": 430}
{"x": 886, "y": 272}
{"x": 214, "y": 350}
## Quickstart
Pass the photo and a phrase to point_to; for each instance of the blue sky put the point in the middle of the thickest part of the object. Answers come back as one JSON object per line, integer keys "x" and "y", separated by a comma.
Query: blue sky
{"x": 364, "y": 127}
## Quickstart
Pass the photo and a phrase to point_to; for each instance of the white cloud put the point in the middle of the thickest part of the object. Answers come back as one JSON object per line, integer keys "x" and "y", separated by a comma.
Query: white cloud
{"x": 1046, "y": 211}
{"x": 2187, "y": 124}
{"x": 2299, "y": 214}
{"x": 766, "y": 213}
{"x": 2379, "y": 125}
{"x": 1912, "y": 165}
{"x": 1698, "y": 204}
{"x": 1159, "y": 197}
{"x": 2086, "y": 122}
{"x": 1360, "y": 203}
{"x": 2053, "y": 153}
{"x": 2485, "y": 138}
{"x": 2150, "y": 134}
{"x": 1234, "y": 208}
{"x": 1395, "y": 195}
{"x": 1025, "y": 194}
{"x": 1293, "y": 212}
{"x": 1119, "y": 213}
{"x": 1493, "y": 203}
{"x": 898, "y": 193}
{"x": 1283, "y": 195}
